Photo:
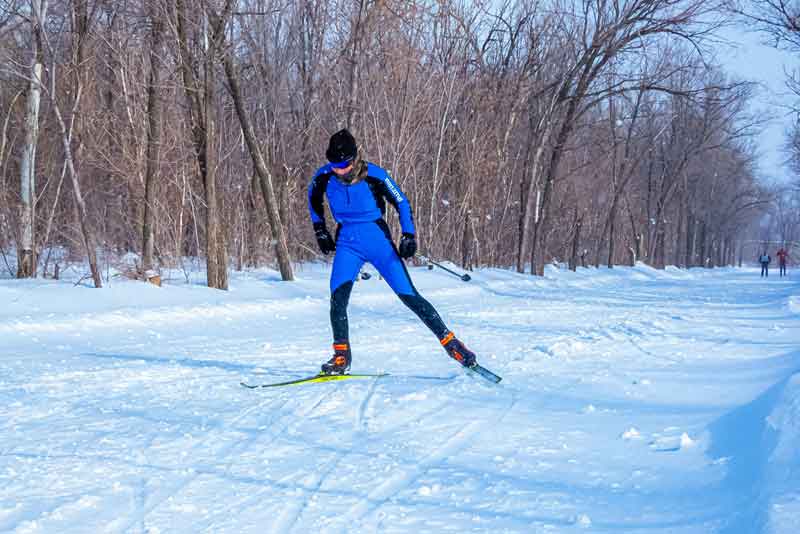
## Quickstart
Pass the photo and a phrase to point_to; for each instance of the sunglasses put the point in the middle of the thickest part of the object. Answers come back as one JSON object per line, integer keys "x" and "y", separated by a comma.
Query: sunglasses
{"x": 342, "y": 164}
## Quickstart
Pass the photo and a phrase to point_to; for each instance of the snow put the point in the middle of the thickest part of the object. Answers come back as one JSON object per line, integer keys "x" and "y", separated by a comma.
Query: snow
{"x": 634, "y": 400}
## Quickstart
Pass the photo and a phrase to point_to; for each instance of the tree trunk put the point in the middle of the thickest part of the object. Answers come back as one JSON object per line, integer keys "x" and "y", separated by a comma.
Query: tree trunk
{"x": 660, "y": 252}
{"x": 688, "y": 249}
{"x": 264, "y": 176}
{"x": 598, "y": 245}
{"x": 612, "y": 217}
{"x": 353, "y": 59}
{"x": 531, "y": 215}
{"x": 80, "y": 204}
{"x": 637, "y": 235}
{"x": 576, "y": 240}
{"x": 26, "y": 264}
{"x": 702, "y": 249}
{"x": 679, "y": 233}
{"x": 216, "y": 251}
{"x": 200, "y": 99}
{"x": 541, "y": 227}
{"x": 466, "y": 242}
{"x": 254, "y": 237}
{"x": 81, "y": 33}
{"x": 153, "y": 140}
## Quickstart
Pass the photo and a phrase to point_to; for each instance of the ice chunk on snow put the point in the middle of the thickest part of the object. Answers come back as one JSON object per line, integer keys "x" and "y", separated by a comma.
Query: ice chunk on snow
{"x": 631, "y": 433}
{"x": 686, "y": 441}
{"x": 427, "y": 491}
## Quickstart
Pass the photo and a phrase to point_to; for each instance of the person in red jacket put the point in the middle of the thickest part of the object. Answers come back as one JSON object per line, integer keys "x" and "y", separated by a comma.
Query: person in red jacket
{"x": 782, "y": 257}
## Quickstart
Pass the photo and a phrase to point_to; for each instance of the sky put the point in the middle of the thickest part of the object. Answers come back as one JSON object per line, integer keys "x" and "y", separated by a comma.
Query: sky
{"x": 752, "y": 60}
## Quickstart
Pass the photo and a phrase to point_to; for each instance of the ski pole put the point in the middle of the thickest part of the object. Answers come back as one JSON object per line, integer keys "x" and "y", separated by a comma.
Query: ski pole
{"x": 465, "y": 277}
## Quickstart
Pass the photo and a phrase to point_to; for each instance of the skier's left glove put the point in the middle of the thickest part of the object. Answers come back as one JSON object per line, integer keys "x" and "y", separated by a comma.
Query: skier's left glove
{"x": 408, "y": 246}
{"x": 324, "y": 240}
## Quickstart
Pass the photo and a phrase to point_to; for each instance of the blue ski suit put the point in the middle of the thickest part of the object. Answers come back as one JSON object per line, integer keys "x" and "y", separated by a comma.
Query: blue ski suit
{"x": 362, "y": 235}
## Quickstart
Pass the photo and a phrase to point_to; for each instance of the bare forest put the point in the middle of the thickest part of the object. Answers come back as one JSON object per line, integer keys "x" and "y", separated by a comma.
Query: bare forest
{"x": 582, "y": 132}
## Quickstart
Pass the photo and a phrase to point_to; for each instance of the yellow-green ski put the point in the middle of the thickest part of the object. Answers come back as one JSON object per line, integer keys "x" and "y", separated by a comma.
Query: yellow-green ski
{"x": 312, "y": 379}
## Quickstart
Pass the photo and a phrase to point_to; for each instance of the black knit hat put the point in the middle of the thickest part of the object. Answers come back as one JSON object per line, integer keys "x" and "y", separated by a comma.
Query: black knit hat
{"x": 341, "y": 147}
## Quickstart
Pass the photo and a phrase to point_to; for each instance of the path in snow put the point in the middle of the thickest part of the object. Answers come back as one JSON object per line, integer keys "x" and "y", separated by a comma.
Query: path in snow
{"x": 633, "y": 400}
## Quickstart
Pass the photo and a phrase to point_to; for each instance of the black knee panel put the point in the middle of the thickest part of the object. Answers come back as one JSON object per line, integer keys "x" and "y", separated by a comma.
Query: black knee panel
{"x": 426, "y": 312}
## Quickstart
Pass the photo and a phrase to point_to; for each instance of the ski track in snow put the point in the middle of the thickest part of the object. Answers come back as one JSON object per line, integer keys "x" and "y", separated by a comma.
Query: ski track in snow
{"x": 274, "y": 434}
{"x": 633, "y": 401}
{"x": 397, "y": 482}
{"x": 360, "y": 423}
{"x": 402, "y": 479}
{"x": 161, "y": 497}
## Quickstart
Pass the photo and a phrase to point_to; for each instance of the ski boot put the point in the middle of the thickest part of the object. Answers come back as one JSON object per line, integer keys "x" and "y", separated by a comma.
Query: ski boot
{"x": 339, "y": 364}
{"x": 456, "y": 350}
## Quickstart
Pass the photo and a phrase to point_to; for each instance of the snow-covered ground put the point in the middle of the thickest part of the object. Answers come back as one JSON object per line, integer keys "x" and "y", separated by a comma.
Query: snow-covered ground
{"x": 633, "y": 400}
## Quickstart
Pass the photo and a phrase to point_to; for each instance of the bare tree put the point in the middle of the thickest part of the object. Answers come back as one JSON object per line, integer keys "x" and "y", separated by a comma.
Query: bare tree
{"x": 779, "y": 22}
{"x": 607, "y": 30}
{"x": 776, "y": 19}
{"x": 26, "y": 264}
{"x": 623, "y": 165}
{"x": 200, "y": 88}
{"x": 522, "y": 131}
{"x": 153, "y": 134}
{"x": 264, "y": 176}
{"x": 79, "y": 15}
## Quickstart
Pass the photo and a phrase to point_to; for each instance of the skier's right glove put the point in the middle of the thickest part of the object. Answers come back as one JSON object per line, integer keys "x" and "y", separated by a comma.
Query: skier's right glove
{"x": 324, "y": 240}
{"x": 408, "y": 246}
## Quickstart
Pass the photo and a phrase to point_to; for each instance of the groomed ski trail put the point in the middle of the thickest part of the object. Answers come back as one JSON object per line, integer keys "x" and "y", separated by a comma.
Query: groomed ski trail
{"x": 401, "y": 479}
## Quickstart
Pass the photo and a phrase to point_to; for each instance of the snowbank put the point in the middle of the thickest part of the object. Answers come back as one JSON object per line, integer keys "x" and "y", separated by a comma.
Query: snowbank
{"x": 794, "y": 304}
{"x": 782, "y": 474}
{"x": 760, "y": 444}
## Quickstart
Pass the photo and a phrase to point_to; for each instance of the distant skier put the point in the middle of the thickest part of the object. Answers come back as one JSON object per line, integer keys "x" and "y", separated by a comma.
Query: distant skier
{"x": 765, "y": 260}
{"x": 783, "y": 255}
{"x": 357, "y": 191}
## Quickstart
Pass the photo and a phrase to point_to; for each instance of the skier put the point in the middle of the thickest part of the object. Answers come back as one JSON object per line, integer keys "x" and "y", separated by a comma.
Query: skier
{"x": 357, "y": 192}
{"x": 783, "y": 255}
{"x": 765, "y": 260}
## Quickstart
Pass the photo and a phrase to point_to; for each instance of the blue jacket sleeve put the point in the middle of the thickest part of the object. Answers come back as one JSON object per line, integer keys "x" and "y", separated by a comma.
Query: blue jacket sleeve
{"x": 400, "y": 202}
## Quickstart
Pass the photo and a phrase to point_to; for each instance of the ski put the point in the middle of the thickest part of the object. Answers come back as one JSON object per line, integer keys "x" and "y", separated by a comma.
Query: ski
{"x": 477, "y": 369}
{"x": 313, "y": 379}
{"x": 485, "y": 373}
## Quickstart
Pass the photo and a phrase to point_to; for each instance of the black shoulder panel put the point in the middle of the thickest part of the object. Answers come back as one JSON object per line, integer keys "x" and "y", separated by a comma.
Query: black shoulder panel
{"x": 317, "y": 195}
{"x": 380, "y": 193}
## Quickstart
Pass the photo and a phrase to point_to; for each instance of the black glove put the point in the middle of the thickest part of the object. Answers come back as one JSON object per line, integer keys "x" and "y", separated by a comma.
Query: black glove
{"x": 324, "y": 240}
{"x": 408, "y": 246}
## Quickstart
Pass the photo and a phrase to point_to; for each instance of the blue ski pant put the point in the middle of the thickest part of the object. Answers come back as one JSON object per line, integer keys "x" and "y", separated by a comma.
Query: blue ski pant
{"x": 358, "y": 243}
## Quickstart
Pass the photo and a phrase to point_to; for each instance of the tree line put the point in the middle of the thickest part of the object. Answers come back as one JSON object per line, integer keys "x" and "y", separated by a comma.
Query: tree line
{"x": 524, "y": 132}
